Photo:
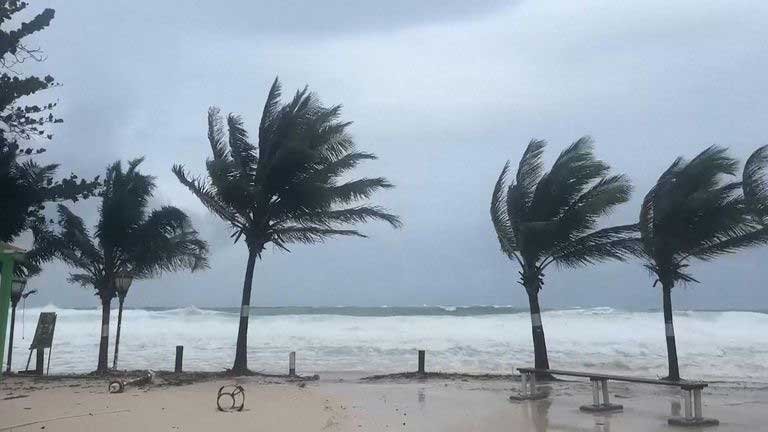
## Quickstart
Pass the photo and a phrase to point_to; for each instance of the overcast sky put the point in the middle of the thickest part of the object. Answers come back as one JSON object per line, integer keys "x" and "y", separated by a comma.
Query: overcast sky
{"x": 444, "y": 92}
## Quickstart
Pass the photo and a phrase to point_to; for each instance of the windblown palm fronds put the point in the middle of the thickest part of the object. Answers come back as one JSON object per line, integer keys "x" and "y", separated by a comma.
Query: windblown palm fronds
{"x": 288, "y": 188}
{"x": 551, "y": 218}
{"x": 128, "y": 239}
{"x": 693, "y": 213}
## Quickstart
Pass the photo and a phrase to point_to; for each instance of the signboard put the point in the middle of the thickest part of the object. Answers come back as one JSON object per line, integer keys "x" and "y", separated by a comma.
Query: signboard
{"x": 44, "y": 331}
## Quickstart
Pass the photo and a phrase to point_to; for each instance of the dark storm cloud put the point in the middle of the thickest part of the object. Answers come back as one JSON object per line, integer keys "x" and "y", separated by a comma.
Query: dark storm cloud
{"x": 444, "y": 93}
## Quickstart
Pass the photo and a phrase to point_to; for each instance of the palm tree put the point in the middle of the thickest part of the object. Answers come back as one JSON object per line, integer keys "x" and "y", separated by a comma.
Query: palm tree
{"x": 755, "y": 185}
{"x": 128, "y": 239}
{"x": 545, "y": 218}
{"x": 19, "y": 292}
{"x": 287, "y": 188}
{"x": 692, "y": 213}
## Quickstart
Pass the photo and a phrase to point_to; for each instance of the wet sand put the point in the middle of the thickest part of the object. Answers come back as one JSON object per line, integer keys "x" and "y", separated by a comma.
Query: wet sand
{"x": 342, "y": 402}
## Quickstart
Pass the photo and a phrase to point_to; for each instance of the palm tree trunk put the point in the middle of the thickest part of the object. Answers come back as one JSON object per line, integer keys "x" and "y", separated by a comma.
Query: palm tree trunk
{"x": 674, "y": 371}
{"x": 10, "y": 337}
{"x": 103, "y": 367}
{"x": 541, "y": 361}
{"x": 119, "y": 324}
{"x": 241, "y": 351}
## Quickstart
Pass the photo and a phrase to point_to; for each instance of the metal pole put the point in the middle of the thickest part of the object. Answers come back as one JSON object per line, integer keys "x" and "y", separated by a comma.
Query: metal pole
{"x": 179, "y": 358}
{"x": 422, "y": 354}
{"x": 10, "y": 338}
{"x": 292, "y": 363}
{"x": 117, "y": 336}
{"x": 5, "y": 299}
{"x": 48, "y": 368}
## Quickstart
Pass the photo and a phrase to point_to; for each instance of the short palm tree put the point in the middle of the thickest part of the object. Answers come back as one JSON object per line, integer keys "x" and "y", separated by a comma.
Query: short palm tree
{"x": 288, "y": 188}
{"x": 129, "y": 239}
{"x": 693, "y": 213}
{"x": 551, "y": 218}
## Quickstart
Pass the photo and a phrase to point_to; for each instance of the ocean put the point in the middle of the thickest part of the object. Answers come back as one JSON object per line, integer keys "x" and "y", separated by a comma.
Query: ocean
{"x": 712, "y": 345}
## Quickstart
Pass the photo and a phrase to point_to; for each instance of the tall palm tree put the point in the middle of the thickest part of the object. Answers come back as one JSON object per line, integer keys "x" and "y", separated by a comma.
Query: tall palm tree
{"x": 129, "y": 239}
{"x": 693, "y": 213}
{"x": 545, "y": 218}
{"x": 287, "y": 188}
{"x": 755, "y": 185}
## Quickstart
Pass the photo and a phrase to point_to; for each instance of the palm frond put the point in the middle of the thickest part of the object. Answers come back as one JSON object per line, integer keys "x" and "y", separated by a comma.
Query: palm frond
{"x": 755, "y": 182}
{"x": 500, "y": 217}
{"x": 165, "y": 241}
{"x": 614, "y": 243}
{"x": 208, "y": 198}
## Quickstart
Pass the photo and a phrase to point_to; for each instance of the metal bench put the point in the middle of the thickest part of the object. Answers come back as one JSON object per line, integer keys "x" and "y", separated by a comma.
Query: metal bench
{"x": 691, "y": 393}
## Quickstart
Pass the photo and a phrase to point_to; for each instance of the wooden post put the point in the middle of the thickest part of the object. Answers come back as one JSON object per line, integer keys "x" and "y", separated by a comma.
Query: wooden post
{"x": 422, "y": 354}
{"x": 292, "y": 363}
{"x": 179, "y": 358}
{"x": 40, "y": 361}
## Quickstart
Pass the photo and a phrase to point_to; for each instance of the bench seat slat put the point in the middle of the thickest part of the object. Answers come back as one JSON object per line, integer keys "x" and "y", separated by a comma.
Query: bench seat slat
{"x": 681, "y": 384}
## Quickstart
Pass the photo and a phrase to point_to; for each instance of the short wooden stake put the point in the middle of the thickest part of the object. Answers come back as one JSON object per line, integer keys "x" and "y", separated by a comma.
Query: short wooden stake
{"x": 422, "y": 354}
{"x": 292, "y": 363}
{"x": 179, "y": 358}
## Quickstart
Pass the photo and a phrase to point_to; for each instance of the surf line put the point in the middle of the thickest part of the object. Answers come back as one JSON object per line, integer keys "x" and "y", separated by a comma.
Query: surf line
{"x": 5, "y": 428}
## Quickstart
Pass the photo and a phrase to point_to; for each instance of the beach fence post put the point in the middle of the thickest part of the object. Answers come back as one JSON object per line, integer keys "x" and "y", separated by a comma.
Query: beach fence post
{"x": 422, "y": 354}
{"x": 292, "y": 363}
{"x": 179, "y": 358}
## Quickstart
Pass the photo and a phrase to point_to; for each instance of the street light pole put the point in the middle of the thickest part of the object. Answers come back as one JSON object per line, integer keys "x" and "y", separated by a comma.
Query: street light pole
{"x": 8, "y": 256}
{"x": 122, "y": 283}
{"x": 17, "y": 291}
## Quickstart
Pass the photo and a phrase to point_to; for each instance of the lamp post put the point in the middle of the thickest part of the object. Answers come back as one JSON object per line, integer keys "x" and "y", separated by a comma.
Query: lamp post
{"x": 17, "y": 292}
{"x": 122, "y": 284}
{"x": 8, "y": 256}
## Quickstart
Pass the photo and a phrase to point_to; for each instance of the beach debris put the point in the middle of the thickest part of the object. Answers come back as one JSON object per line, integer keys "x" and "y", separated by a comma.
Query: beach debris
{"x": 118, "y": 386}
{"x": 231, "y": 398}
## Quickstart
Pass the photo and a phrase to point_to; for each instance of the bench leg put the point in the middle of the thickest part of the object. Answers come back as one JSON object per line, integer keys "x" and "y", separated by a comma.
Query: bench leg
{"x": 524, "y": 383}
{"x": 693, "y": 403}
{"x": 528, "y": 389}
{"x": 597, "y": 386}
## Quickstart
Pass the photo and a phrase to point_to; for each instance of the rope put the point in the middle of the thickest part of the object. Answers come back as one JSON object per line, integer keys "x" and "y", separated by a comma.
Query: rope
{"x": 5, "y": 428}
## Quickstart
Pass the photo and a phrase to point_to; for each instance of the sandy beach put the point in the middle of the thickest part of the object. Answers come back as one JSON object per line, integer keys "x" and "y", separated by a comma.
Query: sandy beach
{"x": 343, "y": 402}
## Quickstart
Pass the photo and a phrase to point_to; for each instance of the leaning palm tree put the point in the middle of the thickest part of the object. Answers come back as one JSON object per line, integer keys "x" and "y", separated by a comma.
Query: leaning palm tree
{"x": 129, "y": 239}
{"x": 693, "y": 212}
{"x": 287, "y": 188}
{"x": 551, "y": 218}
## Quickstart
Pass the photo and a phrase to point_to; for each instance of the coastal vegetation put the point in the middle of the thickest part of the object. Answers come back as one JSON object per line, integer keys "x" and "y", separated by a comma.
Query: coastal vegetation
{"x": 551, "y": 218}
{"x": 696, "y": 211}
{"x": 129, "y": 240}
{"x": 289, "y": 186}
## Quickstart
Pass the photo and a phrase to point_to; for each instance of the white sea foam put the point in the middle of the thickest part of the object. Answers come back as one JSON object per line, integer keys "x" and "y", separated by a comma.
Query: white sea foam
{"x": 711, "y": 345}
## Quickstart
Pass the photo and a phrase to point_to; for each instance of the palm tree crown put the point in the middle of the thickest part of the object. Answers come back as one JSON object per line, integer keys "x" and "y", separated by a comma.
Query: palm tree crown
{"x": 288, "y": 188}
{"x": 693, "y": 213}
{"x": 545, "y": 218}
